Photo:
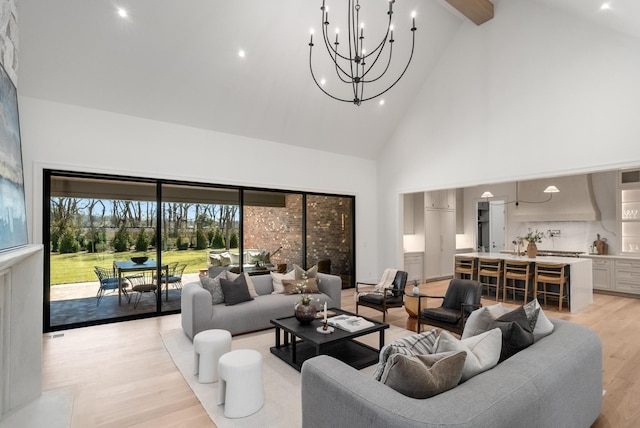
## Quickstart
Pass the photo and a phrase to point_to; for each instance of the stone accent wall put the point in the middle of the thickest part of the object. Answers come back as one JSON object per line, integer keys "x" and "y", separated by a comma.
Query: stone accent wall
{"x": 329, "y": 230}
{"x": 9, "y": 38}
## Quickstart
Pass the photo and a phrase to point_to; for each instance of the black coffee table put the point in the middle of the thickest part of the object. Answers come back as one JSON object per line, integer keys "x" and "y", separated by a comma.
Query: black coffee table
{"x": 301, "y": 342}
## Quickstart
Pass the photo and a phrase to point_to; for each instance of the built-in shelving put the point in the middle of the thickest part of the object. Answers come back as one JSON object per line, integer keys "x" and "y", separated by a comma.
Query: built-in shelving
{"x": 629, "y": 215}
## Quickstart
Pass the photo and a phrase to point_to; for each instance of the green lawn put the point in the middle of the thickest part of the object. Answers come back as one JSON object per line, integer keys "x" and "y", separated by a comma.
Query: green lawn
{"x": 78, "y": 267}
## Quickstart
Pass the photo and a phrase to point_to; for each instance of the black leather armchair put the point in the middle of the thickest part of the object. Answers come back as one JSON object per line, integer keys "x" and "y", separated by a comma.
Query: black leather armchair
{"x": 383, "y": 301}
{"x": 462, "y": 298}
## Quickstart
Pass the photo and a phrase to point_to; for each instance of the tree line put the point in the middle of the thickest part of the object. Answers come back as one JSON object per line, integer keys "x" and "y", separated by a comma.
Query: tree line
{"x": 101, "y": 225}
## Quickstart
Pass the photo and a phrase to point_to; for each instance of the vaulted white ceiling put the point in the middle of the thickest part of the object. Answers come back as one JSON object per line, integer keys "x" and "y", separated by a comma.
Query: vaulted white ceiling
{"x": 178, "y": 62}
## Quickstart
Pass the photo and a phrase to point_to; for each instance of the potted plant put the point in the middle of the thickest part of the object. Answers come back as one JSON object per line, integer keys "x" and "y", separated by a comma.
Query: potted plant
{"x": 532, "y": 238}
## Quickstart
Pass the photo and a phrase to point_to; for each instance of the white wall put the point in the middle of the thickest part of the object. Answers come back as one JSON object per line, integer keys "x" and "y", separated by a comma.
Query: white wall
{"x": 531, "y": 93}
{"x": 74, "y": 138}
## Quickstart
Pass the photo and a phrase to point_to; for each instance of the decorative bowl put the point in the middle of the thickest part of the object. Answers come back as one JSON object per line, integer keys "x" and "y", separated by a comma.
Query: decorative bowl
{"x": 139, "y": 260}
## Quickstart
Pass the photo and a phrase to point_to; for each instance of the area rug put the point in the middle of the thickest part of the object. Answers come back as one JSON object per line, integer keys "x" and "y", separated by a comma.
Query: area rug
{"x": 282, "y": 406}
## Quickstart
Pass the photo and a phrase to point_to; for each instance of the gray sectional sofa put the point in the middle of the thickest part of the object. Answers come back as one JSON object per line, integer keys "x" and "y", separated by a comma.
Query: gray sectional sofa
{"x": 198, "y": 313}
{"x": 556, "y": 382}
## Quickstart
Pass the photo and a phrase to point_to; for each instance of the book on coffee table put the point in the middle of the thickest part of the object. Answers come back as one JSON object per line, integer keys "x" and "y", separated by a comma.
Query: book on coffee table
{"x": 349, "y": 323}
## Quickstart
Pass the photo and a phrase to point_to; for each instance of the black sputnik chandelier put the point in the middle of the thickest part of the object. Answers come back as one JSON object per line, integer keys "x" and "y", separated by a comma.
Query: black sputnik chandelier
{"x": 354, "y": 65}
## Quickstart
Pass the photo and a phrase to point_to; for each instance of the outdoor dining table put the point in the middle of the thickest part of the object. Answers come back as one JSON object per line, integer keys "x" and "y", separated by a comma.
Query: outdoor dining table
{"x": 126, "y": 266}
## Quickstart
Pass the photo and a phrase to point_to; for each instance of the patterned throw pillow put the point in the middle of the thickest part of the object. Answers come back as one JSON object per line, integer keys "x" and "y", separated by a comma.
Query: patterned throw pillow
{"x": 212, "y": 285}
{"x": 294, "y": 286}
{"x": 416, "y": 344}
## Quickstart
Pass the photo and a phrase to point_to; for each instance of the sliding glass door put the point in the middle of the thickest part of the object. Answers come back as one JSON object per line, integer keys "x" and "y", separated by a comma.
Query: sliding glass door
{"x": 272, "y": 231}
{"x": 330, "y": 235}
{"x": 200, "y": 228}
{"x": 94, "y": 226}
{"x": 122, "y": 247}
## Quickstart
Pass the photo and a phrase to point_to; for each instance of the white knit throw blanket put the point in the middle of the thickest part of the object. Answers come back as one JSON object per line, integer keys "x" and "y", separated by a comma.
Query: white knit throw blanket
{"x": 387, "y": 279}
{"x": 383, "y": 286}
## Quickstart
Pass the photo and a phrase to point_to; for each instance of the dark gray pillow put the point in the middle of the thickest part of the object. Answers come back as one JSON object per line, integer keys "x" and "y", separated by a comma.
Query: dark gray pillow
{"x": 235, "y": 291}
{"x": 423, "y": 376}
{"x": 516, "y": 332}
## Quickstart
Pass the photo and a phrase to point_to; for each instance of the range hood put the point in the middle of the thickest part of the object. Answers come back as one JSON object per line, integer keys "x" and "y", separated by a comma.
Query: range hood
{"x": 574, "y": 202}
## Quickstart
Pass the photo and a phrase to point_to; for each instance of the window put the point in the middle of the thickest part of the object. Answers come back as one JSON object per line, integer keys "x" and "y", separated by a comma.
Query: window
{"x": 95, "y": 225}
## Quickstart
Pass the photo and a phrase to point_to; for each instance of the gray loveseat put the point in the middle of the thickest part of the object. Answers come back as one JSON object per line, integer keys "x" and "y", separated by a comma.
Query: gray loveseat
{"x": 556, "y": 382}
{"x": 198, "y": 313}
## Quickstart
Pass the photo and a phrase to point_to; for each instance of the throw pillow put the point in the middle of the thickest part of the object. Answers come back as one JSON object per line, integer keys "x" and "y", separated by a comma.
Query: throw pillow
{"x": 411, "y": 345}
{"x": 214, "y": 260}
{"x": 235, "y": 291}
{"x": 481, "y": 319}
{"x": 311, "y": 272}
{"x": 212, "y": 285}
{"x": 423, "y": 376}
{"x": 225, "y": 259}
{"x": 531, "y": 313}
{"x": 544, "y": 327}
{"x": 277, "y": 278}
{"x": 294, "y": 286}
{"x": 516, "y": 332}
{"x": 252, "y": 289}
{"x": 483, "y": 350}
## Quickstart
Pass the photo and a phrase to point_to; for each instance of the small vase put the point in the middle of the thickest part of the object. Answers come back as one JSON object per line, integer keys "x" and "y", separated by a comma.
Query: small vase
{"x": 416, "y": 290}
{"x": 305, "y": 313}
{"x": 532, "y": 250}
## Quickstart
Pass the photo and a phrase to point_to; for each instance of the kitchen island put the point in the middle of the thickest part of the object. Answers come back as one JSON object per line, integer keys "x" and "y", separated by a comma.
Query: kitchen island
{"x": 580, "y": 275}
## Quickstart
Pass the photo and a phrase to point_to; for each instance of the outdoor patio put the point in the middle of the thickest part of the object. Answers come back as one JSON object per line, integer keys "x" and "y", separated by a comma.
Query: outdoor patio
{"x": 76, "y": 303}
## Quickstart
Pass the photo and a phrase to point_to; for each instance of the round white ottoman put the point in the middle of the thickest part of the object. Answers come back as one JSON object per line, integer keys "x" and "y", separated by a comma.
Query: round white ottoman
{"x": 240, "y": 388}
{"x": 208, "y": 347}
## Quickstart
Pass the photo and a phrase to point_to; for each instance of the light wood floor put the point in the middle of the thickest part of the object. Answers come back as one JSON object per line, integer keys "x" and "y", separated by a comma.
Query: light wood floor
{"x": 123, "y": 377}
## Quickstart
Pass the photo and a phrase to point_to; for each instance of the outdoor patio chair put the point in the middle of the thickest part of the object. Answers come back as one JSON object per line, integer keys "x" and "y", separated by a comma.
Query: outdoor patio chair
{"x": 175, "y": 276}
{"x": 143, "y": 282}
{"x": 108, "y": 281}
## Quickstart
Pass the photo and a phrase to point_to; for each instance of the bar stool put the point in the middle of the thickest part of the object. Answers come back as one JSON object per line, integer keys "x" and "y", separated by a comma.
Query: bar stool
{"x": 466, "y": 266}
{"x": 487, "y": 269}
{"x": 517, "y": 271}
{"x": 552, "y": 273}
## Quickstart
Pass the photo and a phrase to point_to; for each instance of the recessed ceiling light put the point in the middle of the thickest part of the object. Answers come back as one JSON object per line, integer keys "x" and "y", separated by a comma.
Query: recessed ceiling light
{"x": 241, "y": 53}
{"x": 122, "y": 12}
{"x": 323, "y": 81}
{"x": 605, "y": 6}
{"x": 381, "y": 102}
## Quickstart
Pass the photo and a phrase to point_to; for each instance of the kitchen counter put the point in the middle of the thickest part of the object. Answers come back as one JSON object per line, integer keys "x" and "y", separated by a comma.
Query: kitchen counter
{"x": 611, "y": 256}
{"x": 580, "y": 282}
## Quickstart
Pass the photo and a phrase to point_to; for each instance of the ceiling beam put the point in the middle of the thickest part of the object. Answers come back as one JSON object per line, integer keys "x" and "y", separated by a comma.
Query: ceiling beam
{"x": 478, "y": 11}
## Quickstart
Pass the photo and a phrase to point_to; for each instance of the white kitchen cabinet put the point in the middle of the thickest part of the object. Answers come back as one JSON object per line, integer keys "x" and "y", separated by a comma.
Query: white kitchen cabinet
{"x": 602, "y": 272}
{"x": 440, "y": 199}
{"x": 408, "y": 217}
{"x": 615, "y": 273}
{"x": 413, "y": 265}
{"x": 627, "y": 275}
{"x": 440, "y": 243}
